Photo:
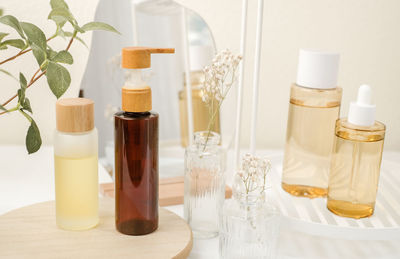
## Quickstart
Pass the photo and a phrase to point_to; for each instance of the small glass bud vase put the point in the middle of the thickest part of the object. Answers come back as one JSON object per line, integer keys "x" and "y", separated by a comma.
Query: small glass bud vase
{"x": 249, "y": 223}
{"x": 204, "y": 184}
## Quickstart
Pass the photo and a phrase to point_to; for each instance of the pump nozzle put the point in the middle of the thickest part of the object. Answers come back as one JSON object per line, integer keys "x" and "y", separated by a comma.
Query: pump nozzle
{"x": 362, "y": 112}
{"x": 136, "y": 94}
{"x": 140, "y": 57}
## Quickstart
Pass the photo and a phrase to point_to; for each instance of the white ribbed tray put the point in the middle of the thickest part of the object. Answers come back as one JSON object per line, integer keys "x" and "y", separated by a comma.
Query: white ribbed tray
{"x": 311, "y": 215}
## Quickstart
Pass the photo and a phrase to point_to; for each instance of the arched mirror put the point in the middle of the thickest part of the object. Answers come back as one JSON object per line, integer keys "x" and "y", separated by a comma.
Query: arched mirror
{"x": 154, "y": 23}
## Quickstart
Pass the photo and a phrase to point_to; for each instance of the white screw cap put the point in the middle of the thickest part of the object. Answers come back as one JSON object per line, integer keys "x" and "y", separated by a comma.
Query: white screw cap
{"x": 362, "y": 112}
{"x": 317, "y": 69}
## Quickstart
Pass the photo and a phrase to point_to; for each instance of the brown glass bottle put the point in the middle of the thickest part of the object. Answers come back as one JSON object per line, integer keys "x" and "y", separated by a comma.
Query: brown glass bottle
{"x": 136, "y": 172}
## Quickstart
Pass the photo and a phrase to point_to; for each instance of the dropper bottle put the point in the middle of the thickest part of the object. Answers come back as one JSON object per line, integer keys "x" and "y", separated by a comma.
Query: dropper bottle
{"x": 356, "y": 159}
{"x": 136, "y": 148}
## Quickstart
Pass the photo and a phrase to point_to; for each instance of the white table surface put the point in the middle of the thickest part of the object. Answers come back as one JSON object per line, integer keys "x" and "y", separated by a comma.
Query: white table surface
{"x": 27, "y": 179}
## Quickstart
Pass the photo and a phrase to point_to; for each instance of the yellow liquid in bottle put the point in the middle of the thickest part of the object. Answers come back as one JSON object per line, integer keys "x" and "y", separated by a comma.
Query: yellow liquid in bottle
{"x": 77, "y": 195}
{"x": 309, "y": 142}
{"x": 354, "y": 176}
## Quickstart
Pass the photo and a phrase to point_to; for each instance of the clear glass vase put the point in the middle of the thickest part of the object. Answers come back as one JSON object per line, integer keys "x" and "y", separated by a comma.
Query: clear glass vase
{"x": 204, "y": 184}
{"x": 249, "y": 226}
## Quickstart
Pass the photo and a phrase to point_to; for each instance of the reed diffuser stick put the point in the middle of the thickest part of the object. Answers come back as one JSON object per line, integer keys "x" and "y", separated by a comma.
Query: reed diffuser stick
{"x": 257, "y": 56}
{"x": 240, "y": 86}
{"x": 187, "y": 76}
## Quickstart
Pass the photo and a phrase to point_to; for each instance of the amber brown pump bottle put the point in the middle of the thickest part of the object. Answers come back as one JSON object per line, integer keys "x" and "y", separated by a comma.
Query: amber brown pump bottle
{"x": 136, "y": 149}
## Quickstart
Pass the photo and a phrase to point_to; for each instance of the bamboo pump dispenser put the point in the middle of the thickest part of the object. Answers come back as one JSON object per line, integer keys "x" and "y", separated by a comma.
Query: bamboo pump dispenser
{"x": 136, "y": 96}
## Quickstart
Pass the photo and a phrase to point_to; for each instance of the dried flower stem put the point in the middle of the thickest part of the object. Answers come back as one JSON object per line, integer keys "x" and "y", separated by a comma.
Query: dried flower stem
{"x": 215, "y": 88}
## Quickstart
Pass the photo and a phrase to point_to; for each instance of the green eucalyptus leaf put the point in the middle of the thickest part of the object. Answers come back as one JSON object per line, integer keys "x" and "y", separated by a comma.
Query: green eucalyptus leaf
{"x": 61, "y": 15}
{"x": 7, "y": 73}
{"x": 12, "y": 22}
{"x": 63, "y": 57}
{"x": 91, "y": 26}
{"x": 2, "y": 108}
{"x": 60, "y": 32}
{"x": 51, "y": 53}
{"x": 22, "y": 81}
{"x": 77, "y": 28}
{"x": 17, "y": 43}
{"x": 2, "y": 35}
{"x": 21, "y": 95}
{"x": 81, "y": 41}
{"x": 1, "y": 12}
{"x": 33, "y": 140}
{"x": 58, "y": 78}
{"x": 27, "y": 105}
{"x": 44, "y": 65}
{"x": 58, "y": 4}
{"x": 35, "y": 35}
{"x": 69, "y": 34}
{"x": 3, "y": 47}
{"x": 39, "y": 54}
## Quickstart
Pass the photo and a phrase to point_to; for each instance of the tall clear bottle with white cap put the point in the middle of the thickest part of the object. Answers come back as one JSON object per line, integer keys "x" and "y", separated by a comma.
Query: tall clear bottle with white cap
{"x": 313, "y": 109}
{"x": 356, "y": 159}
{"x": 200, "y": 56}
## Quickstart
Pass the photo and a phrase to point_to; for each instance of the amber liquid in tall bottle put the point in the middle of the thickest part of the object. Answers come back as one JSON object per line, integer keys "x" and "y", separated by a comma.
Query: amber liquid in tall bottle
{"x": 136, "y": 172}
{"x": 309, "y": 140}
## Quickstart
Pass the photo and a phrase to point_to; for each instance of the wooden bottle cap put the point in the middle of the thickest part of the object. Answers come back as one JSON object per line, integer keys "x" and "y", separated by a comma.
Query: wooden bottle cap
{"x": 75, "y": 115}
{"x": 136, "y": 100}
{"x": 139, "y": 57}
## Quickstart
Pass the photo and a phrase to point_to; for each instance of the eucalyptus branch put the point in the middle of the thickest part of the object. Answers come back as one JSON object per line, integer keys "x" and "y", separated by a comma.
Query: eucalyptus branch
{"x": 25, "y": 115}
{"x": 34, "y": 79}
{"x": 72, "y": 39}
{"x": 32, "y": 39}
{"x": 15, "y": 56}
{"x": 23, "y": 52}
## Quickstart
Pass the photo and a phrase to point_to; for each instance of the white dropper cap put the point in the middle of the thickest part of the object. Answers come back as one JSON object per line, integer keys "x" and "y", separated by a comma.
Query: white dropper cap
{"x": 317, "y": 69}
{"x": 362, "y": 112}
{"x": 200, "y": 56}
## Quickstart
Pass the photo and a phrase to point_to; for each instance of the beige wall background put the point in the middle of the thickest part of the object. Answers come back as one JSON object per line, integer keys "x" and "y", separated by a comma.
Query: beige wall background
{"x": 365, "y": 32}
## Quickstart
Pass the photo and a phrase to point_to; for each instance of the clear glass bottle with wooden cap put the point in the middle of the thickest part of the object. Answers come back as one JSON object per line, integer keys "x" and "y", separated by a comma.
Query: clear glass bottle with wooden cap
{"x": 136, "y": 148}
{"x": 75, "y": 164}
{"x": 200, "y": 56}
{"x": 356, "y": 159}
{"x": 313, "y": 109}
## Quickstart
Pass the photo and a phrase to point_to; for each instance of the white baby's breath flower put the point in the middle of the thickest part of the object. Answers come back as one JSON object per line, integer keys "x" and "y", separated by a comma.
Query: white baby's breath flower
{"x": 253, "y": 174}
{"x": 220, "y": 75}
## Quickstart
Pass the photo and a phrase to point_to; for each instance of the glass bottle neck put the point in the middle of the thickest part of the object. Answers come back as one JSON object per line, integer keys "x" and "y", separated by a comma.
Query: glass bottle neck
{"x": 249, "y": 200}
{"x": 206, "y": 140}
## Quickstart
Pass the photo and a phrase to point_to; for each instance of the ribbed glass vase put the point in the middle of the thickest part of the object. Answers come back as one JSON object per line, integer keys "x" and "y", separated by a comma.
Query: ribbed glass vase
{"x": 249, "y": 227}
{"x": 204, "y": 184}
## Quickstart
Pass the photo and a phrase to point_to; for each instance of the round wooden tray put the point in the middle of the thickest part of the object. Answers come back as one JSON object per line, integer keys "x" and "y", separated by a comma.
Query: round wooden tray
{"x": 31, "y": 232}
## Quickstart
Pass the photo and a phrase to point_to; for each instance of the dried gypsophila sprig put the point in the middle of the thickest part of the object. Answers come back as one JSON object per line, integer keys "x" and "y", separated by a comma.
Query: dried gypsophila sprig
{"x": 254, "y": 174}
{"x": 219, "y": 78}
